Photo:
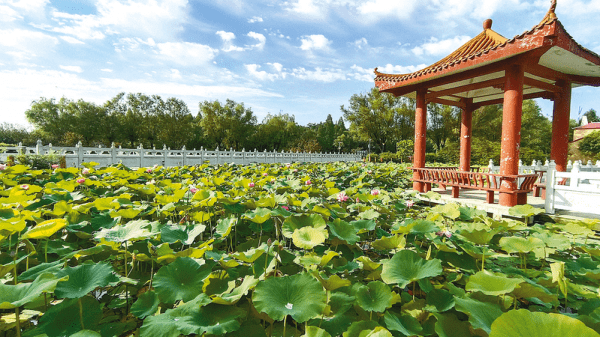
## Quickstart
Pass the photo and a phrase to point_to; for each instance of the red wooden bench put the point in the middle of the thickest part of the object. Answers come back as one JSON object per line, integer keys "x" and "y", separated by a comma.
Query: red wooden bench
{"x": 488, "y": 182}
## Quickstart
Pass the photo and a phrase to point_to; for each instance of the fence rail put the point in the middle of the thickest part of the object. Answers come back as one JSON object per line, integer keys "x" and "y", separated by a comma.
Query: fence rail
{"x": 577, "y": 190}
{"x": 141, "y": 157}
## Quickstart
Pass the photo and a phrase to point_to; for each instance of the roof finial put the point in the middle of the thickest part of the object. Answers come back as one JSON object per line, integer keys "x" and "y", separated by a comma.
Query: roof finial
{"x": 552, "y": 10}
{"x": 487, "y": 24}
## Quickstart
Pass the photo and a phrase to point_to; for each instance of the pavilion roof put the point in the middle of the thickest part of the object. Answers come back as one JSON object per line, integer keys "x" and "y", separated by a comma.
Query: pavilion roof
{"x": 474, "y": 73}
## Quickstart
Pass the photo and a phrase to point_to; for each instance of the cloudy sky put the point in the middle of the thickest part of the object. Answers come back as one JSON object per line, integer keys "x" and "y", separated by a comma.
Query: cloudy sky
{"x": 302, "y": 57}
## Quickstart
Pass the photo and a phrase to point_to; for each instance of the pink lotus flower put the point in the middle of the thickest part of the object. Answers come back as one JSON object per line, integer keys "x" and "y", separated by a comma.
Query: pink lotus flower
{"x": 375, "y": 192}
{"x": 286, "y": 208}
{"x": 410, "y": 203}
{"x": 288, "y": 165}
{"x": 341, "y": 197}
{"x": 357, "y": 200}
{"x": 265, "y": 174}
{"x": 445, "y": 233}
{"x": 2, "y": 167}
{"x": 251, "y": 184}
{"x": 25, "y": 187}
{"x": 80, "y": 180}
{"x": 369, "y": 171}
{"x": 54, "y": 166}
{"x": 308, "y": 182}
{"x": 193, "y": 189}
{"x": 149, "y": 170}
{"x": 85, "y": 171}
{"x": 295, "y": 170}
{"x": 273, "y": 181}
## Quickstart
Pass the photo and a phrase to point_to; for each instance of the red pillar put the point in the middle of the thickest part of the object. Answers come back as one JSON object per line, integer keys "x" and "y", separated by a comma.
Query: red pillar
{"x": 466, "y": 118}
{"x": 420, "y": 137}
{"x": 511, "y": 132}
{"x": 560, "y": 126}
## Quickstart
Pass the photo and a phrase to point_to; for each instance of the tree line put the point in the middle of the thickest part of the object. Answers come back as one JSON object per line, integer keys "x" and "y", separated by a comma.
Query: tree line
{"x": 378, "y": 122}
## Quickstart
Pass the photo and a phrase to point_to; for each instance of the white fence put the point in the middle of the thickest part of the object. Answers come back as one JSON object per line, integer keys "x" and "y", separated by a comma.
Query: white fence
{"x": 576, "y": 190}
{"x": 538, "y": 166}
{"x": 141, "y": 157}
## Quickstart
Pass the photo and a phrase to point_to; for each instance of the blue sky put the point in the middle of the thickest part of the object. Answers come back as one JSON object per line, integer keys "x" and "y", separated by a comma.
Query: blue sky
{"x": 302, "y": 57}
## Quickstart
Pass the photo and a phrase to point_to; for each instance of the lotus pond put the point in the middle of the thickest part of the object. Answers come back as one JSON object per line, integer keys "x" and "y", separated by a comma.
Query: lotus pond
{"x": 340, "y": 249}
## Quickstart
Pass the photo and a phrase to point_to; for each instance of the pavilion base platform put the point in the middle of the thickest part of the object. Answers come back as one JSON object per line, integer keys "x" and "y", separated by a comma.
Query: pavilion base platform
{"x": 477, "y": 199}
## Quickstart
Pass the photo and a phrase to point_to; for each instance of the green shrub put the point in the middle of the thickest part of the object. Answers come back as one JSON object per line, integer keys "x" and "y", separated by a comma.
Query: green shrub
{"x": 39, "y": 161}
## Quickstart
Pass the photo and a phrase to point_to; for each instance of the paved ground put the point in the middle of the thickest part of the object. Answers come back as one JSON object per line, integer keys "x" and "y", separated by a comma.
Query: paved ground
{"x": 476, "y": 198}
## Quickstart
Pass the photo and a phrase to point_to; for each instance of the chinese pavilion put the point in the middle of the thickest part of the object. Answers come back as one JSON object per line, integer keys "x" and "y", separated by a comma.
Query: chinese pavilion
{"x": 543, "y": 62}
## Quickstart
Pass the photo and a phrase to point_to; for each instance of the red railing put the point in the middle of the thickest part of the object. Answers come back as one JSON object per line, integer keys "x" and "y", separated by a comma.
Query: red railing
{"x": 475, "y": 180}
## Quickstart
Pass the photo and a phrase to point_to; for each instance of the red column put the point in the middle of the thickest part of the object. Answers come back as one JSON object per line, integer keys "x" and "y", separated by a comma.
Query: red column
{"x": 466, "y": 117}
{"x": 511, "y": 133}
{"x": 420, "y": 137}
{"x": 560, "y": 126}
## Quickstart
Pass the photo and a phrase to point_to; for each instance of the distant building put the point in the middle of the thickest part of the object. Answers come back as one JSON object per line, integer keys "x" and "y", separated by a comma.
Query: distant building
{"x": 578, "y": 134}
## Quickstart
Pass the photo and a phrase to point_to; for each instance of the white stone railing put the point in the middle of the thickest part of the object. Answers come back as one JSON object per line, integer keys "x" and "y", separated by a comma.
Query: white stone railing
{"x": 538, "y": 166}
{"x": 141, "y": 157}
{"x": 576, "y": 190}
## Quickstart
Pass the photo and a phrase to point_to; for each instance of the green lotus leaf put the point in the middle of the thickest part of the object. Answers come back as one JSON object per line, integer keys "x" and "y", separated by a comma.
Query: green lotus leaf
{"x": 375, "y": 296}
{"x": 416, "y": 227}
{"x": 313, "y": 331}
{"x": 259, "y": 215}
{"x": 341, "y": 302}
{"x": 481, "y": 314}
{"x": 364, "y": 226}
{"x": 172, "y": 234}
{"x": 86, "y": 333}
{"x": 250, "y": 255}
{"x": 377, "y": 332}
{"x": 300, "y": 296}
{"x": 357, "y": 327}
{"x": 576, "y": 229}
{"x": 389, "y": 243}
{"x": 515, "y": 244}
{"x": 554, "y": 240}
{"x": 344, "y": 231}
{"x": 517, "y": 323}
{"x": 126, "y": 213}
{"x": 45, "y": 229}
{"x": 225, "y": 226}
{"x": 12, "y": 296}
{"x": 164, "y": 325}
{"x": 181, "y": 280}
{"x": 333, "y": 282}
{"x": 201, "y": 216}
{"x": 479, "y": 237}
{"x": 13, "y": 226}
{"x": 213, "y": 319}
{"x": 405, "y": 324}
{"x": 448, "y": 325}
{"x": 83, "y": 279}
{"x": 528, "y": 290}
{"x": 309, "y": 237}
{"x": 441, "y": 300}
{"x": 450, "y": 210}
{"x": 524, "y": 211}
{"x": 63, "y": 319}
{"x": 369, "y": 214}
{"x": 146, "y": 305}
{"x": 407, "y": 266}
{"x": 236, "y": 294}
{"x": 491, "y": 283}
{"x": 469, "y": 213}
{"x": 33, "y": 272}
{"x": 133, "y": 230}
{"x": 293, "y": 223}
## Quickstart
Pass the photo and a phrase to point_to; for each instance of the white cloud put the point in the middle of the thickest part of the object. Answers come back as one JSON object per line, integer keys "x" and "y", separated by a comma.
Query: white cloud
{"x": 228, "y": 38}
{"x": 362, "y": 74}
{"x": 133, "y": 44}
{"x": 374, "y": 10}
{"x": 175, "y": 74}
{"x": 26, "y": 44}
{"x": 75, "y": 69}
{"x": 187, "y": 53}
{"x": 361, "y": 43}
{"x": 319, "y": 75}
{"x": 71, "y": 40}
{"x": 106, "y": 70}
{"x": 314, "y": 42}
{"x": 261, "y": 74}
{"x": 8, "y": 14}
{"x": 277, "y": 66}
{"x": 306, "y": 7}
{"x": 255, "y": 19}
{"x": 440, "y": 47}
{"x": 391, "y": 69}
{"x": 260, "y": 38}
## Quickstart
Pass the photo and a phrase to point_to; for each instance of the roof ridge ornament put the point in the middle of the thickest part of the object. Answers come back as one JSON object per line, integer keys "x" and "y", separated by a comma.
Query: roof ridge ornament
{"x": 552, "y": 11}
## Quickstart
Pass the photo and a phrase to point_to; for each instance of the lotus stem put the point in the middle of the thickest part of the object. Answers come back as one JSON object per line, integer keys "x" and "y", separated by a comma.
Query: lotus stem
{"x": 46, "y": 251}
{"x": 151, "y": 273}
{"x": 81, "y": 313}
{"x": 17, "y": 313}
{"x": 414, "y": 285}
{"x": 284, "y": 324}
{"x": 483, "y": 262}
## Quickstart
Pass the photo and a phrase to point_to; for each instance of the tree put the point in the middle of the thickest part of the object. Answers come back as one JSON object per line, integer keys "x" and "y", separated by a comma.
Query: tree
{"x": 277, "y": 132}
{"x": 379, "y": 117}
{"x": 326, "y": 134}
{"x": 443, "y": 124}
{"x": 12, "y": 134}
{"x": 592, "y": 116}
{"x": 175, "y": 124}
{"x": 228, "y": 125}
{"x": 50, "y": 117}
{"x": 590, "y": 144}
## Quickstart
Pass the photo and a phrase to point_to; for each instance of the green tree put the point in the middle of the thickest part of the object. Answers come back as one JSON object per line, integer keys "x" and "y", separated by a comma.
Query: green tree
{"x": 13, "y": 134}
{"x": 277, "y": 132}
{"x": 442, "y": 124}
{"x": 227, "y": 125}
{"x": 590, "y": 144}
{"x": 592, "y": 116}
{"x": 50, "y": 117}
{"x": 379, "y": 117}
{"x": 175, "y": 124}
{"x": 326, "y": 134}
{"x": 536, "y": 131}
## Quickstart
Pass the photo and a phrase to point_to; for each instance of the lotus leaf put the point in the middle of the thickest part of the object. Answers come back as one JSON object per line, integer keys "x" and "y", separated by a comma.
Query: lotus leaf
{"x": 83, "y": 279}
{"x": 181, "y": 280}
{"x": 225, "y": 226}
{"x": 404, "y": 324}
{"x": 440, "y": 299}
{"x": 450, "y": 210}
{"x": 517, "y": 323}
{"x": 146, "y": 305}
{"x": 259, "y": 215}
{"x": 481, "y": 314}
{"x": 313, "y": 331}
{"x": 389, "y": 243}
{"x": 375, "y": 296}
{"x": 448, "y": 325}
{"x": 309, "y": 237}
{"x": 45, "y": 229}
{"x": 344, "y": 231}
{"x": 62, "y": 319}
{"x": 300, "y": 296}
{"x": 524, "y": 211}
{"x": 292, "y": 223}
{"x": 407, "y": 266}
{"x": 356, "y": 328}
{"x": 491, "y": 283}
{"x": 377, "y": 332}
{"x": 12, "y": 296}
{"x": 133, "y": 230}
{"x": 520, "y": 245}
